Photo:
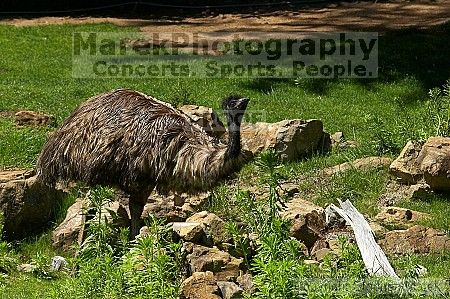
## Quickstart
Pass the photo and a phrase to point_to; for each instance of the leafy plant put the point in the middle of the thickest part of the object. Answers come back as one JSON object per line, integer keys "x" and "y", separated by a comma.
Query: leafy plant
{"x": 438, "y": 110}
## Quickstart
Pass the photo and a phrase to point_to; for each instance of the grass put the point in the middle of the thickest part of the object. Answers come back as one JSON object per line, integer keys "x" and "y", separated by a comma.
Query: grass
{"x": 380, "y": 114}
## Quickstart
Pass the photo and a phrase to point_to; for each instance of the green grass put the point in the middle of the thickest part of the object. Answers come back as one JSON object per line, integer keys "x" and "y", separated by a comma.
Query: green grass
{"x": 380, "y": 114}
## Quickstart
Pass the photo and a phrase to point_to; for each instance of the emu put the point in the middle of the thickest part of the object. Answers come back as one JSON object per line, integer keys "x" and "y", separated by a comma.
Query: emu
{"x": 137, "y": 143}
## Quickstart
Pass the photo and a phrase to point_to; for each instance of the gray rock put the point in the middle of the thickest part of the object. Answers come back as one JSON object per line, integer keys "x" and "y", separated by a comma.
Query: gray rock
{"x": 58, "y": 263}
{"x": 230, "y": 290}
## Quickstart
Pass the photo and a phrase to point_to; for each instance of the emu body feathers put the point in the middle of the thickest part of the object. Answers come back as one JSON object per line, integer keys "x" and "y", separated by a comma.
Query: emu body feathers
{"x": 132, "y": 141}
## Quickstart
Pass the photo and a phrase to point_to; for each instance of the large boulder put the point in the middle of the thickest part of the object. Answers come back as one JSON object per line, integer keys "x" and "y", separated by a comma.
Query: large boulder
{"x": 417, "y": 239}
{"x": 206, "y": 118}
{"x": 292, "y": 139}
{"x": 430, "y": 161}
{"x": 26, "y": 204}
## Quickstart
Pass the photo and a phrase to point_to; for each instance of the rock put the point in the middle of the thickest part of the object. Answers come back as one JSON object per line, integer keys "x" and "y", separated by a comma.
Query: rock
{"x": 58, "y": 263}
{"x": 230, "y": 290}
{"x": 338, "y": 141}
{"x": 366, "y": 163}
{"x": 379, "y": 230}
{"x": 27, "y": 206}
{"x": 31, "y": 118}
{"x": 405, "y": 167}
{"x": 417, "y": 239}
{"x": 399, "y": 216}
{"x": 434, "y": 161}
{"x": 320, "y": 254}
{"x": 396, "y": 191}
{"x": 430, "y": 161}
{"x": 190, "y": 232}
{"x": 116, "y": 214}
{"x": 26, "y": 268}
{"x": 292, "y": 139}
{"x": 71, "y": 230}
{"x": 222, "y": 264}
{"x": 201, "y": 285}
{"x": 11, "y": 175}
{"x": 206, "y": 118}
{"x": 163, "y": 207}
{"x": 337, "y": 138}
{"x": 289, "y": 189}
{"x": 311, "y": 262}
{"x": 308, "y": 220}
{"x": 245, "y": 281}
{"x": 213, "y": 224}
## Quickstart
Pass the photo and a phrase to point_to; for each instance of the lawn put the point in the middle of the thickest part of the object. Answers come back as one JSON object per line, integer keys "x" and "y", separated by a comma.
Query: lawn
{"x": 379, "y": 114}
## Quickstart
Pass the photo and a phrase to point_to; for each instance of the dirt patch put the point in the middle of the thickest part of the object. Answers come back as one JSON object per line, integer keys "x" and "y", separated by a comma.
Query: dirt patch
{"x": 342, "y": 17}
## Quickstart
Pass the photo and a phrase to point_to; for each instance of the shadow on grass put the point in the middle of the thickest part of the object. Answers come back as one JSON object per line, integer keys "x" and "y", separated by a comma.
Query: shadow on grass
{"x": 421, "y": 54}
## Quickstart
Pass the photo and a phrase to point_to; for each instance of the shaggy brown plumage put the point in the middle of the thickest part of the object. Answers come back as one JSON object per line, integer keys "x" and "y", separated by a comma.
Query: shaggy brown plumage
{"x": 132, "y": 141}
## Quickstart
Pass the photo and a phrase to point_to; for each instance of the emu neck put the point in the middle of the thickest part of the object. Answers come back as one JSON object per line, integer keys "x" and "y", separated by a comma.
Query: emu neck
{"x": 234, "y": 140}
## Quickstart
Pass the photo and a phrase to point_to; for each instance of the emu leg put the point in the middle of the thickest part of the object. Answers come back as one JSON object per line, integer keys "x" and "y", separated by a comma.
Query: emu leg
{"x": 137, "y": 203}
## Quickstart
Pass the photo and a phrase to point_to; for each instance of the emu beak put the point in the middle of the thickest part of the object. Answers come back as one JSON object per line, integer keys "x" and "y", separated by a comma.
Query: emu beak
{"x": 243, "y": 102}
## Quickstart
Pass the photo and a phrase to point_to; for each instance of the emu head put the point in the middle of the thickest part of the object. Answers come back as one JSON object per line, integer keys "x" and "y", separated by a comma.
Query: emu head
{"x": 234, "y": 107}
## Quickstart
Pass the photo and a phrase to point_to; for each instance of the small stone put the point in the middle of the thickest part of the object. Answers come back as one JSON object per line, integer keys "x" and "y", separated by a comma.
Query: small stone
{"x": 221, "y": 263}
{"x": 58, "y": 263}
{"x": 289, "y": 189}
{"x": 311, "y": 262}
{"x": 32, "y": 118}
{"x": 229, "y": 290}
{"x": 320, "y": 254}
{"x": 214, "y": 225}
{"x": 26, "y": 268}
{"x": 201, "y": 285}
{"x": 245, "y": 281}
{"x": 190, "y": 231}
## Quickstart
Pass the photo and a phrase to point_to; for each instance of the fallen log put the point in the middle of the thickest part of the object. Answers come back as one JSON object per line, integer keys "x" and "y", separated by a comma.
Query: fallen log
{"x": 373, "y": 256}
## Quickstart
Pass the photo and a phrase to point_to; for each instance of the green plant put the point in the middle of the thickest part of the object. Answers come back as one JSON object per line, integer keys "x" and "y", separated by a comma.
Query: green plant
{"x": 153, "y": 266}
{"x": 438, "y": 110}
